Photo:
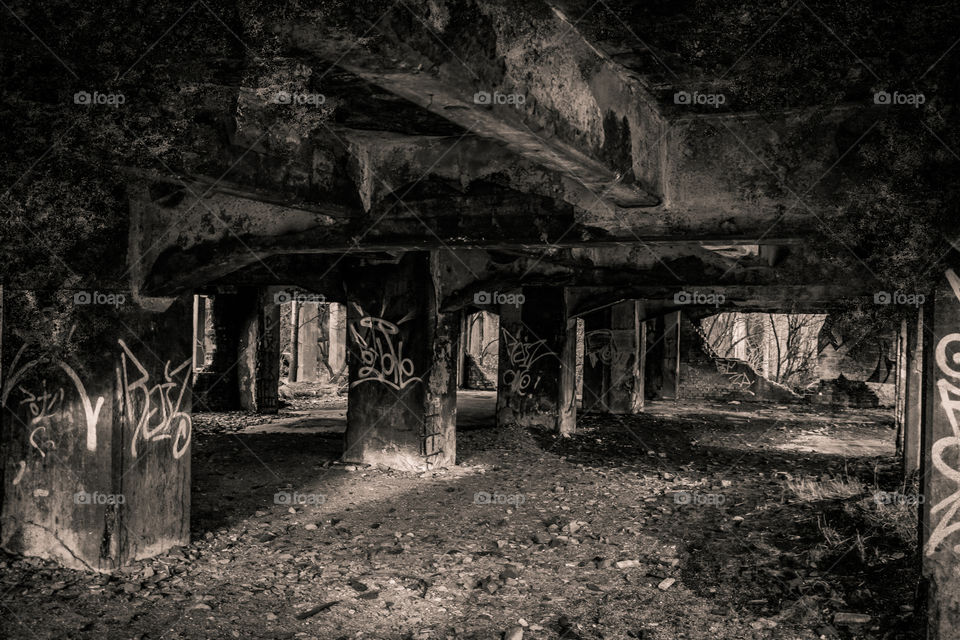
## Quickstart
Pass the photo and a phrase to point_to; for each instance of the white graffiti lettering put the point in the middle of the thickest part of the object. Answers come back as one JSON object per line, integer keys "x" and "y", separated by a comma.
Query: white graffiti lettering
{"x": 520, "y": 357}
{"x": 91, "y": 412}
{"x": 381, "y": 354}
{"x": 157, "y": 414}
{"x": 49, "y": 444}
{"x": 22, "y": 467}
{"x": 947, "y": 357}
{"x": 600, "y": 346}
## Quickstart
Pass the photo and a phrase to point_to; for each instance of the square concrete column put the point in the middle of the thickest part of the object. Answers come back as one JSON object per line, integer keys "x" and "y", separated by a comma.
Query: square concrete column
{"x": 671, "y": 356}
{"x": 244, "y": 372}
{"x": 613, "y": 359}
{"x": 216, "y": 386}
{"x": 308, "y": 359}
{"x": 258, "y": 355}
{"x": 940, "y": 518}
{"x": 538, "y": 351}
{"x": 401, "y": 410}
{"x": 912, "y": 390}
{"x": 96, "y": 429}
{"x": 337, "y": 337}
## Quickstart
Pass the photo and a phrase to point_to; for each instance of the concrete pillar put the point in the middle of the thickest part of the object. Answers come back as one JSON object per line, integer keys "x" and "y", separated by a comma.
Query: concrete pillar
{"x": 538, "y": 350}
{"x": 337, "y": 338}
{"x": 671, "y": 356}
{"x": 614, "y": 352}
{"x": 653, "y": 372}
{"x": 294, "y": 364}
{"x": 217, "y": 387}
{"x": 199, "y": 330}
{"x": 899, "y": 404}
{"x": 309, "y": 357}
{"x": 95, "y": 430}
{"x": 462, "y": 350}
{"x": 401, "y": 410}
{"x": 940, "y": 511}
{"x": 913, "y": 394}
{"x": 258, "y": 355}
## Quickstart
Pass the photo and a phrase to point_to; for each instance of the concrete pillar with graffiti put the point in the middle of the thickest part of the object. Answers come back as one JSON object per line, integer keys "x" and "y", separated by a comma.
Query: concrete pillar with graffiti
{"x": 401, "y": 410}
{"x": 537, "y": 363}
{"x": 940, "y": 518}
{"x": 613, "y": 359}
{"x": 96, "y": 428}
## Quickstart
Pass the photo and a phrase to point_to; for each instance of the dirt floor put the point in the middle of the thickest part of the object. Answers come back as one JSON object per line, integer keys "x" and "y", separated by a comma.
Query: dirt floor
{"x": 681, "y": 523}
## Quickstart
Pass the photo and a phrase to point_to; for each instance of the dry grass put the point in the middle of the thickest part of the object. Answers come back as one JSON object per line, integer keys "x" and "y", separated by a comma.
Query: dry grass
{"x": 810, "y": 490}
{"x": 877, "y": 513}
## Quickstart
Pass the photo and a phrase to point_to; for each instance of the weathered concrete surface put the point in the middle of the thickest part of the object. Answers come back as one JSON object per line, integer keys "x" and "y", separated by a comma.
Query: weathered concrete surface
{"x": 614, "y": 359}
{"x": 663, "y": 357}
{"x": 258, "y": 365}
{"x": 599, "y": 276}
{"x": 537, "y": 361}
{"x": 96, "y": 433}
{"x": 308, "y": 360}
{"x": 336, "y": 337}
{"x": 402, "y": 366}
{"x": 941, "y": 461}
{"x": 217, "y": 387}
{"x": 913, "y": 393}
{"x": 589, "y": 154}
{"x": 580, "y": 113}
{"x": 671, "y": 356}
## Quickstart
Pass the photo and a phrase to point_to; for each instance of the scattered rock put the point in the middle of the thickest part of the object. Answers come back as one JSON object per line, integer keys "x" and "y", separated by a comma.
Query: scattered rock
{"x": 541, "y": 537}
{"x": 848, "y": 619}
{"x": 666, "y": 584}
{"x": 358, "y": 586}
{"x": 510, "y": 571}
{"x": 309, "y": 613}
{"x": 513, "y": 633}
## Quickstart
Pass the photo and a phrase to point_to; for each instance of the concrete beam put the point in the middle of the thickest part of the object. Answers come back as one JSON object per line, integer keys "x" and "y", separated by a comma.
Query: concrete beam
{"x": 577, "y": 108}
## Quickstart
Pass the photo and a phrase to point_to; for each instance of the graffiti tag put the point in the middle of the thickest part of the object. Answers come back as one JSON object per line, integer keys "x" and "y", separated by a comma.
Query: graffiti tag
{"x": 157, "y": 414}
{"x": 381, "y": 354}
